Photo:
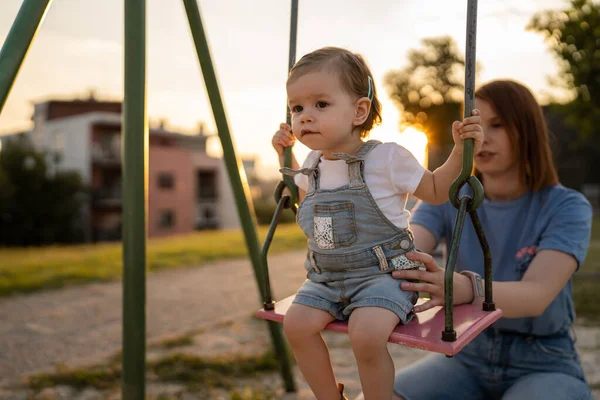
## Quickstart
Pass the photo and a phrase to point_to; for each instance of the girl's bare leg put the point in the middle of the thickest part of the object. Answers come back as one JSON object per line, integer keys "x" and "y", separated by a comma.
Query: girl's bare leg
{"x": 302, "y": 326}
{"x": 370, "y": 328}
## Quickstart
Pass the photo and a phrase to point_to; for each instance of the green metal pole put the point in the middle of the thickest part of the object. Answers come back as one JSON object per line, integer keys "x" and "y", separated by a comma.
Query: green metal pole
{"x": 287, "y": 154}
{"x": 234, "y": 166}
{"x": 135, "y": 178}
{"x": 18, "y": 41}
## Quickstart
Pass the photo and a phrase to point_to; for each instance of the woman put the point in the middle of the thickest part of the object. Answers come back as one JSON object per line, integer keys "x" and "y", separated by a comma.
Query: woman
{"x": 539, "y": 234}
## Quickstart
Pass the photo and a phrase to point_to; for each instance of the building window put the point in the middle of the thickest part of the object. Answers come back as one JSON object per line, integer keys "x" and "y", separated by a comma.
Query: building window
{"x": 207, "y": 185}
{"x": 166, "y": 180}
{"x": 167, "y": 219}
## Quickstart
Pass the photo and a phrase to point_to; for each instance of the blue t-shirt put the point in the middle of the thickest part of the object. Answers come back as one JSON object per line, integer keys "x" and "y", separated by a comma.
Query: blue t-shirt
{"x": 553, "y": 218}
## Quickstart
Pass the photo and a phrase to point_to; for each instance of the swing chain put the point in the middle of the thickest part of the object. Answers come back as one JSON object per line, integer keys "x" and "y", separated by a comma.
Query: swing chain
{"x": 465, "y": 204}
{"x": 283, "y": 202}
{"x": 292, "y": 197}
{"x": 465, "y": 178}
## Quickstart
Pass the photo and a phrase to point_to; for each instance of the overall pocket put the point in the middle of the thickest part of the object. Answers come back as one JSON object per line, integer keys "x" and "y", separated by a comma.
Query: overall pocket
{"x": 334, "y": 224}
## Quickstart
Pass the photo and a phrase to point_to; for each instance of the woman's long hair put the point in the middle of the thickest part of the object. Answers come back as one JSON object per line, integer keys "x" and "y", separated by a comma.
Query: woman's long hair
{"x": 524, "y": 120}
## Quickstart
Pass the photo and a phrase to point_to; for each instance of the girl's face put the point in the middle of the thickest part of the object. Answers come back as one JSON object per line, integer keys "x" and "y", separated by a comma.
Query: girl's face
{"x": 496, "y": 156}
{"x": 324, "y": 115}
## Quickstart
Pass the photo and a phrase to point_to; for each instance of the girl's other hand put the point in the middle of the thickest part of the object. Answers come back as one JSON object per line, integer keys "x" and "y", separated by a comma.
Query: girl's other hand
{"x": 283, "y": 138}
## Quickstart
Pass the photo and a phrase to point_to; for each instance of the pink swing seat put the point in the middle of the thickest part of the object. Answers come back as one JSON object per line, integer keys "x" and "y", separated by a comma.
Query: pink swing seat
{"x": 423, "y": 332}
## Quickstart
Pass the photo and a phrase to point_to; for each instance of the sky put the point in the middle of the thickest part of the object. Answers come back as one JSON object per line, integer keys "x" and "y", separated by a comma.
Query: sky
{"x": 79, "y": 48}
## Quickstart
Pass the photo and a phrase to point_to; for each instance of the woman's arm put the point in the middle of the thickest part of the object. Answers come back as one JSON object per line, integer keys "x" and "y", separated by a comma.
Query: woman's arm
{"x": 562, "y": 247}
{"x": 548, "y": 273}
{"x": 424, "y": 240}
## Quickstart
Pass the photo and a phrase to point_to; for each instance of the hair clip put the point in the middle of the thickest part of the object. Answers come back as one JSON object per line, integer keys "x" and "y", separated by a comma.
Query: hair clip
{"x": 370, "y": 91}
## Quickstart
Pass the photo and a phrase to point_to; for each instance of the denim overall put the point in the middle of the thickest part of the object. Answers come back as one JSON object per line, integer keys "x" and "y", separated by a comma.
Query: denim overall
{"x": 352, "y": 246}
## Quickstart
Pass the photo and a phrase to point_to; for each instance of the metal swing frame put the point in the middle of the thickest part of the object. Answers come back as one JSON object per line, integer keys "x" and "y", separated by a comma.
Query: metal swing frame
{"x": 135, "y": 166}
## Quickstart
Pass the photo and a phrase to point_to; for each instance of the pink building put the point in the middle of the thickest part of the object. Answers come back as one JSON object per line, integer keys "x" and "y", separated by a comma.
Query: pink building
{"x": 187, "y": 189}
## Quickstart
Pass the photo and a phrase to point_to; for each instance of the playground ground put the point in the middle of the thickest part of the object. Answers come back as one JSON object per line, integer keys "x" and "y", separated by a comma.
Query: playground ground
{"x": 49, "y": 340}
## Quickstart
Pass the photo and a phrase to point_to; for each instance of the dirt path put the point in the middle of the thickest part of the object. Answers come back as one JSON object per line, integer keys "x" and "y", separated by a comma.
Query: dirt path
{"x": 83, "y": 324}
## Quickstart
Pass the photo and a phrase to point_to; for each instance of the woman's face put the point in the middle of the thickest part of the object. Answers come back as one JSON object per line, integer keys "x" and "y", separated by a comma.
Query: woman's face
{"x": 496, "y": 156}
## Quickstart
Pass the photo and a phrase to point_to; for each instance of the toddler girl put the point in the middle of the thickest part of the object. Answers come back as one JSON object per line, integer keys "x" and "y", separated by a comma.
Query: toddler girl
{"x": 353, "y": 195}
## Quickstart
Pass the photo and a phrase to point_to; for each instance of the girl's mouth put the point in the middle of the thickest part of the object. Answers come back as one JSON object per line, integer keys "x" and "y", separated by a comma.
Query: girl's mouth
{"x": 307, "y": 132}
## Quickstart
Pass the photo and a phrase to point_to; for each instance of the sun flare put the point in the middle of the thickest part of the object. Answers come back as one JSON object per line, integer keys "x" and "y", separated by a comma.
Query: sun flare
{"x": 411, "y": 139}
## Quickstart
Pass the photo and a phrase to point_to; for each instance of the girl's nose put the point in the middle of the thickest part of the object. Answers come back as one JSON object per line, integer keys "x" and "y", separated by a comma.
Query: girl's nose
{"x": 306, "y": 117}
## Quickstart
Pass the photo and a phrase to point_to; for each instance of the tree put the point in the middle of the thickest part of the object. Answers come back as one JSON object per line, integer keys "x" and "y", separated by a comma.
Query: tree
{"x": 573, "y": 37}
{"x": 35, "y": 207}
{"x": 429, "y": 92}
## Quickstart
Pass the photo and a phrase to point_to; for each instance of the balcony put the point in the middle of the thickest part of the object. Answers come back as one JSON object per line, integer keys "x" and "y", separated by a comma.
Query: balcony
{"x": 109, "y": 197}
{"x": 106, "y": 155}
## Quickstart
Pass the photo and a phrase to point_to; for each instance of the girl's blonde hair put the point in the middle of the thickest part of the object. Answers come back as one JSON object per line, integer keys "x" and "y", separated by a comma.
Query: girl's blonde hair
{"x": 354, "y": 76}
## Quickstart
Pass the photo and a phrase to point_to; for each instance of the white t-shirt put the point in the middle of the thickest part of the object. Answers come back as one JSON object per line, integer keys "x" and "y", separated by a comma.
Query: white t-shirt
{"x": 391, "y": 174}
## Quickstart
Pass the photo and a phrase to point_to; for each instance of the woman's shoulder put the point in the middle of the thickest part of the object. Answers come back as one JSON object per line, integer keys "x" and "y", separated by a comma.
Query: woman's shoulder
{"x": 557, "y": 199}
{"x": 560, "y": 194}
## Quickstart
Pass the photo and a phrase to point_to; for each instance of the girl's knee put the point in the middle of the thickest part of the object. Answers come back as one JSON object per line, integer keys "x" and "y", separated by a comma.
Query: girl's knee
{"x": 367, "y": 344}
{"x": 292, "y": 327}
{"x": 368, "y": 335}
{"x": 301, "y": 322}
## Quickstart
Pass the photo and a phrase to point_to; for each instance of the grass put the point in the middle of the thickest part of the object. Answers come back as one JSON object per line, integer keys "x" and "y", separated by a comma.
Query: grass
{"x": 26, "y": 270}
{"x": 32, "y": 269}
{"x": 197, "y": 373}
{"x": 201, "y": 372}
{"x": 178, "y": 341}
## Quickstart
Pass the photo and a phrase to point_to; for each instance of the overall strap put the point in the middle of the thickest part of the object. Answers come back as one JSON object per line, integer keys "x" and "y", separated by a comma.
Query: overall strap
{"x": 312, "y": 173}
{"x": 356, "y": 163}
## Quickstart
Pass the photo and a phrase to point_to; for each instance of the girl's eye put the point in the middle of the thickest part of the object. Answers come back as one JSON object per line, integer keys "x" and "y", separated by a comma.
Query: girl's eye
{"x": 296, "y": 108}
{"x": 321, "y": 104}
{"x": 497, "y": 125}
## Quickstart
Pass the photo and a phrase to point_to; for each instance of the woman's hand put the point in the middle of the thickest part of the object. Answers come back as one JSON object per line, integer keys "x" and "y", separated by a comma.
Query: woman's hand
{"x": 469, "y": 128}
{"x": 283, "y": 138}
{"x": 432, "y": 281}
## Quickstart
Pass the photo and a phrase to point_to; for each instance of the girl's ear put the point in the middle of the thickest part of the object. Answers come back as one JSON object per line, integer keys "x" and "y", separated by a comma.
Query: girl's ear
{"x": 363, "y": 106}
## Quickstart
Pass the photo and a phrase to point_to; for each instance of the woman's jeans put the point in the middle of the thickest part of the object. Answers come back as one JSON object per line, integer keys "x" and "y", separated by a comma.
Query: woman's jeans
{"x": 499, "y": 365}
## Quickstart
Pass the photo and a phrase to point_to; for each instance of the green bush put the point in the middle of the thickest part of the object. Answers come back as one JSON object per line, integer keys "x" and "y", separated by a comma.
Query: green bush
{"x": 265, "y": 208}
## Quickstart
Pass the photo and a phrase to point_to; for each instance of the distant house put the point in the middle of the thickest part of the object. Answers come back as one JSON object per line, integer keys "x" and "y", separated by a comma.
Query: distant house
{"x": 187, "y": 189}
